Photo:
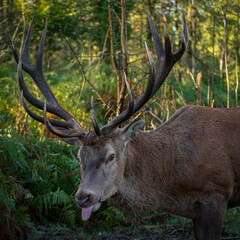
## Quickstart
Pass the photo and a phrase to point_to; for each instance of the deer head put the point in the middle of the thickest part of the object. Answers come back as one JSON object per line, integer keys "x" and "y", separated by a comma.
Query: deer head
{"x": 102, "y": 154}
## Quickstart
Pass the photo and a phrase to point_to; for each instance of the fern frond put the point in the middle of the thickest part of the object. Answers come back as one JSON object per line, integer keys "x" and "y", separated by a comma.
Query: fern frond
{"x": 68, "y": 217}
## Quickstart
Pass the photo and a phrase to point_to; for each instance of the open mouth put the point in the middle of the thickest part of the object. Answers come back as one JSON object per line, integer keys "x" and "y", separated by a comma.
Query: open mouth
{"x": 86, "y": 212}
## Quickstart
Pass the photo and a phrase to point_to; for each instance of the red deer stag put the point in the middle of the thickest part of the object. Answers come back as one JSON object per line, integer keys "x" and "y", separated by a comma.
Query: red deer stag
{"x": 189, "y": 166}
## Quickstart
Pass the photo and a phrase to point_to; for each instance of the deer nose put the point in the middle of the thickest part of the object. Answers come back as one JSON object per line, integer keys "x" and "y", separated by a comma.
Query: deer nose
{"x": 83, "y": 202}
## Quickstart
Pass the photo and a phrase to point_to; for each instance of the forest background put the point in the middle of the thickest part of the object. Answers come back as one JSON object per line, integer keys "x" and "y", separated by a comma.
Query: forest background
{"x": 89, "y": 45}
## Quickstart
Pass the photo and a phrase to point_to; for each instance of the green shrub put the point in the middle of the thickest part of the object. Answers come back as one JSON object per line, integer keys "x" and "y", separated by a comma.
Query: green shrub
{"x": 38, "y": 183}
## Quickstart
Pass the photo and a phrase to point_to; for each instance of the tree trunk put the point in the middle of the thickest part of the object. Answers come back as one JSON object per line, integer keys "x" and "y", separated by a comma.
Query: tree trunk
{"x": 113, "y": 57}
{"x": 221, "y": 65}
{"x": 213, "y": 60}
{"x": 124, "y": 56}
{"x": 237, "y": 55}
{"x": 199, "y": 89}
{"x": 225, "y": 58}
{"x": 193, "y": 36}
{"x": 189, "y": 48}
{"x": 150, "y": 7}
{"x": 179, "y": 76}
{"x": 1, "y": 12}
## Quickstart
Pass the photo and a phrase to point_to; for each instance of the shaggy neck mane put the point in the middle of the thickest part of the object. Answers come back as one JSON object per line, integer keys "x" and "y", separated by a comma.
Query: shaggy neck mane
{"x": 137, "y": 192}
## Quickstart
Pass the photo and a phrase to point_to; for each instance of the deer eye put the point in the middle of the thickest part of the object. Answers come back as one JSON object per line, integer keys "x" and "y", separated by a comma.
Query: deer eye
{"x": 110, "y": 158}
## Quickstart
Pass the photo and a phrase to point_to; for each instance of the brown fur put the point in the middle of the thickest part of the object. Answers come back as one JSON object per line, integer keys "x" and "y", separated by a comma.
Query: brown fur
{"x": 183, "y": 160}
{"x": 189, "y": 166}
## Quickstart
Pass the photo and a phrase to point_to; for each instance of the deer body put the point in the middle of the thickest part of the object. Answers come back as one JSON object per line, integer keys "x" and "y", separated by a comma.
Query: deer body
{"x": 189, "y": 166}
{"x": 175, "y": 169}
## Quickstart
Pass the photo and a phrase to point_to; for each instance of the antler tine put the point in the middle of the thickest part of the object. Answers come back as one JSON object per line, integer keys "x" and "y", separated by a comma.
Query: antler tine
{"x": 151, "y": 82}
{"x": 25, "y": 53}
{"x": 60, "y": 132}
{"x": 169, "y": 59}
{"x": 41, "y": 47}
{"x": 94, "y": 120}
{"x": 184, "y": 40}
{"x": 37, "y": 74}
{"x": 29, "y": 97}
{"x": 27, "y": 65}
{"x": 54, "y": 122}
{"x": 167, "y": 44}
{"x": 40, "y": 80}
{"x": 157, "y": 40}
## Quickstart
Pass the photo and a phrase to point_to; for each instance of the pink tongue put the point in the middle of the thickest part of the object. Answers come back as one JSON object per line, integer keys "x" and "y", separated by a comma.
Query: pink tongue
{"x": 86, "y": 213}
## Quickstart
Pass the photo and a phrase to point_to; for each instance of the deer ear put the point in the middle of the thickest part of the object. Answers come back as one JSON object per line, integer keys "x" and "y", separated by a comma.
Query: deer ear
{"x": 131, "y": 131}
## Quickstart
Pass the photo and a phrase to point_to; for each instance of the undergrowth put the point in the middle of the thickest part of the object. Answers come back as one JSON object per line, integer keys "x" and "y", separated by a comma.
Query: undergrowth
{"x": 38, "y": 181}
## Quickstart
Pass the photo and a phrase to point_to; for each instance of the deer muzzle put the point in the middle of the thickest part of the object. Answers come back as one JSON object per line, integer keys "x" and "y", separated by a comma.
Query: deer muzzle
{"x": 88, "y": 201}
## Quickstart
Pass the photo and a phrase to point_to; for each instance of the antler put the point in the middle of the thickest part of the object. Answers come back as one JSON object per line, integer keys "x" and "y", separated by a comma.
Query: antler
{"x": 166, "y": 60}
{"x": 66, "y": 129}
{"x": 70, "y": 128}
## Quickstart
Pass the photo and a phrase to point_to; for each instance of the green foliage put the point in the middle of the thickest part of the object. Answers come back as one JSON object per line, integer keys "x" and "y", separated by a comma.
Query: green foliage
{"x": 232, "y": 222}
{"x": 14, "y": 199}
{"x": 38, "y": 182}
{"x": 8, "y": 96}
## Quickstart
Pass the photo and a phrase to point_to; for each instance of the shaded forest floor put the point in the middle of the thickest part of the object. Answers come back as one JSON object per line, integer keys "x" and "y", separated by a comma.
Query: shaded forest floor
{"x": 121, "y": 233}
{"x": 117, "y": 233}
{"x": 145, "y": 228}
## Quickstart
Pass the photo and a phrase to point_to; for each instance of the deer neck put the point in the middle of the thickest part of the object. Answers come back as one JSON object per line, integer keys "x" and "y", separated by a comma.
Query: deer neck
{"x": 144, "y": 182}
